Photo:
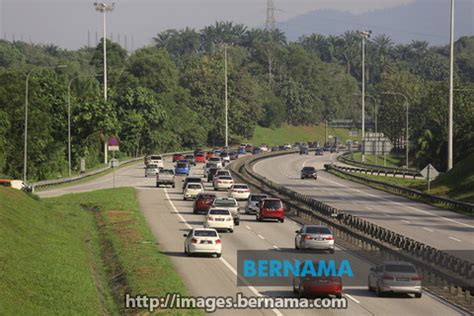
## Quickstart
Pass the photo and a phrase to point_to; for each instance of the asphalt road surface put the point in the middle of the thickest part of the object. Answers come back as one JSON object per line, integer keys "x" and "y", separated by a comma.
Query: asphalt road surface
{"x": 169, "y": 217}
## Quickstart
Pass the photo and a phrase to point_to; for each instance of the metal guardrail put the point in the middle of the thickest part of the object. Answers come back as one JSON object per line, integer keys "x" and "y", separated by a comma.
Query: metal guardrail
{"x": 378, "y": 168}
{"x": 47, "y": 183}
{"x": 441, "y": 267}
{"x": 450, "y": 203}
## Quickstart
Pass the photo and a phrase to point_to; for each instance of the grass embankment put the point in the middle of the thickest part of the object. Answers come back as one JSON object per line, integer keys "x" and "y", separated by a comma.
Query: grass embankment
{"x": 291, "y": 134}
{"x": 391, "y": 159}
{"x": 78, "y": 254}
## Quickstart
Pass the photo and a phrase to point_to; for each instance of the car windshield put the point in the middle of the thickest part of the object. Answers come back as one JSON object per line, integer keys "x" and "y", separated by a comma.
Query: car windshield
{"x": 205, "y": 233}
{"x": 317, "y": 230}
{"x": 166, "y": 171}
{"x": 257, "y": 197}
{"x": 400, "y": 268}
{"x": 272, "y": 204}
{"x": 219, "y": 212}
{"x": 309, "y": 169}
{"x": 182, "y": 165}
{"x": 155, "y": 157}
{"x": 225, "y": 203}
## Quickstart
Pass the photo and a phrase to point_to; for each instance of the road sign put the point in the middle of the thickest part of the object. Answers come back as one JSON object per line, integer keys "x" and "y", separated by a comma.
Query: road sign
{"x": 113, "y": 143}
{"x": 429, "y": 172}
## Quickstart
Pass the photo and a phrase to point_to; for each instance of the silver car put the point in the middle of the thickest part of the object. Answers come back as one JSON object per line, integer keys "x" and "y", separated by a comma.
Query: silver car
{"x": 252, "y": 202}
{"x": 151, "y": 170}
{"x": 314, "y": 237}
{"x": 395, "y": 277}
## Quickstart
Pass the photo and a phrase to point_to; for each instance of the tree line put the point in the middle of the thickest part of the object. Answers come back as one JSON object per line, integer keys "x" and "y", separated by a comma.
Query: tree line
{"x": 169, "y": 95}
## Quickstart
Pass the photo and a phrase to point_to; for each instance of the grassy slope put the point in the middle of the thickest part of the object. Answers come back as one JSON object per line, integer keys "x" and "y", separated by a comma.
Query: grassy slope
{"x": 52, "y": 253}
{"x": 392, "y": 160}
{"x": 291, "y": 134}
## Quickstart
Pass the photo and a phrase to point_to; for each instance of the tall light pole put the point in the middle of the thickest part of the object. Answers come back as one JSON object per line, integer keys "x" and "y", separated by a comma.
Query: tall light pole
{"x": 104, "y": 8}
{"x": 407, "y": 134}
{"x": 364, "y": 35}
{"x": 451, "y": 79}
{"x": 25, "y": 145}
{"x": 69, "y": 119}
{"x": 375, "y": 118}
{"x": 226, "y": 101}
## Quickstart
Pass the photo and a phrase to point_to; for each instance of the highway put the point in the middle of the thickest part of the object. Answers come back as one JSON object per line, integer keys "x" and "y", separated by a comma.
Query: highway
{"x": 169, "y": 217}
{"x": 433, "y": 226}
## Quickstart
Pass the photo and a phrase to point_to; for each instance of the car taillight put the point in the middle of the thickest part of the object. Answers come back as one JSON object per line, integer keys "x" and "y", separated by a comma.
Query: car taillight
{"x": 228, "y": 219}
{"x": 388, "y": 277}
{"x": 307, "y": 237}
{"x": 218, "y": 241}
{"x": 194, "y": 241}
{"x": 329, "y": 238}
{"x": 210, "y": 218}
{"x": 417, "y": 278}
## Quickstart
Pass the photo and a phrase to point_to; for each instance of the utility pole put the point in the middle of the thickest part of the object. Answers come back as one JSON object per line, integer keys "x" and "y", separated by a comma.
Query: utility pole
{"x": 104, "y": 8}
{"x": 451, "y": 79}
{"x": 226, "y": 100}
{"x": 270, "y": 19}
{"x": 364, "y": 35}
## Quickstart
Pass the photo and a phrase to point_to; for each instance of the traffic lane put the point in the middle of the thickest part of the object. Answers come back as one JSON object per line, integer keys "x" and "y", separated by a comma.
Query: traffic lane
{"x": 245, "y": 239}
{"x": 282, "y": 236}
{"x": 128, "y": 176}
{"x": 379, "y": 207}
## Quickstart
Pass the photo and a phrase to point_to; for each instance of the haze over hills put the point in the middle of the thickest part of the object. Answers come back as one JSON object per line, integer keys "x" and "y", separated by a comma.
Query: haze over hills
{"x": 426, "y": 20}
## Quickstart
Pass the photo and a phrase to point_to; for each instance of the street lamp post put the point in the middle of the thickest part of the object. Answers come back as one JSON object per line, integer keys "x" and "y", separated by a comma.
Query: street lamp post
{"x": 226, "y": 100}
{"x": 375, "y": 117}
{"x": 451, "y": 79}
{"x": 25, "y": 146}
{"x": 407, "y": 140}
{"x": 69, "y": 119}
{"x": 364, "y": 35}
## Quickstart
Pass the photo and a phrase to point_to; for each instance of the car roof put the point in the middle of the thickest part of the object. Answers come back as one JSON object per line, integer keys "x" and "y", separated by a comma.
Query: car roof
{"x": 241, "y": 184}
{"x": 225, "y": 199}
{"x": 204, "y": 229}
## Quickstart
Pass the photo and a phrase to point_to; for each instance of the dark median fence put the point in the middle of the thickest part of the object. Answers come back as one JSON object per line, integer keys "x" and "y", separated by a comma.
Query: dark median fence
{"x": 376, "y": 169}
{"x": 464, "y": 207}
{"x": 48, "y": 183}
{"x": 446, "y": 270}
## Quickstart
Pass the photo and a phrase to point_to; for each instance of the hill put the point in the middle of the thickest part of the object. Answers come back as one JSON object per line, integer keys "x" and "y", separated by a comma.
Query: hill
{"x": 432, "y": 27}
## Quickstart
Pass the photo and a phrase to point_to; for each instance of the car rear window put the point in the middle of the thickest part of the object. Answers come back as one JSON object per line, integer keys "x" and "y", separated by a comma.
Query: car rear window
{"x": 167, "y": 171}
{"x": 272, "y": 204}
{"x": 155, "y": 157}
{"x": 318, "y": 230}
{"x": 182, "y": 165}
{"x": 193, "y": 180}
{"x": 225, "y": 178}
{"x": 219, "y": 212}
{"x": 257, "y": 197}
{"x": 194, "y": 186}
{"x": 207, "y": 197}
{"x": 205, "y": 233}
{"x": 400, "y": 268}
{"x": 152, "y": 166}
{"x": 225, "y": 203}
{"x": 240, "y": 186}
{"x": 189, "y": 156}
{"x": 214, "y": 159}
{"x": 309, "y": 169}
{"x": 223, "y": 173}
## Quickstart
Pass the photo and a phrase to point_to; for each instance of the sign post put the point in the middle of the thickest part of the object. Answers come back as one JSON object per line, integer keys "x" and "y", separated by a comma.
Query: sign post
{"x": 113, "y": 146}
{"x": 429, "y": 173}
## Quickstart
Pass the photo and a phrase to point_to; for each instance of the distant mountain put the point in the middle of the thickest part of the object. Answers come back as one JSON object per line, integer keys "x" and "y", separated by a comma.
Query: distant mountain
{"x": 426, "y": 20}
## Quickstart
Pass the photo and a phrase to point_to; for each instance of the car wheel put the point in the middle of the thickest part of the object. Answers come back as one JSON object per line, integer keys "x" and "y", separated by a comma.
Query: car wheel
{"x": 184, "y": 199}
{"x": 371, "y": 289}
{"x": 231, "y": 230}
{"x": 418, "y": 295}
{"x": 296, "y": 245}
{"x": 215, "y": 189}
{"x": 339, "y": 295}
{"x": 282, "y": 220}
{"x": 218, "y": 255}
{"x": 237, "y": 222}
{"x": 173, "y": 186}
{"x": 157, "y": 185}
{"x": 300, "y": 292}
{"x": 331, "y": 251}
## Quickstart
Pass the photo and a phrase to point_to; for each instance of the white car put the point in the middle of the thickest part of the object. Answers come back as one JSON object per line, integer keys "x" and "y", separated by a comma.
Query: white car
{"x": 223, "y": 183}
{"x": 263, "y": 147}
{"x": 192, "y": 189}
{"x": 240, "y": 191}
{"x": 230, "y": 204}
{"x": 219, "y": 218}
{"x": 217, "y": 161}
{"x": 156, "y": 160}
{"x": 151, "y": 170}
{"x": 203, "y": 241}
{"x": 287, "y": 146}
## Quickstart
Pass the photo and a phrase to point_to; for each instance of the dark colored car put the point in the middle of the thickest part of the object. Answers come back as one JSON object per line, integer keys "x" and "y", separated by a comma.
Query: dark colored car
{"x": 203, "y": 202}
{"x": 177, "y": 157}
{"x": 334, "y": 150}
{"x": 282, "y": 147}
{"x": 310, "y": 286}
{"x": 190, "y": 159}
{"x": 275, "y": 148}
{"x": 271, "y": 208}
{"x": 233, "y": 155}
{"x": 210, "y": 175}
{"x": 303, "y": 150}
{"x": 249, "y": 148}
{"x": 309, "y": 172}
{"x": 319, "y": 152}
{"x": 256, "y": 151}
{"x": 326, "y": 148}
{"x": 200, "y": 158}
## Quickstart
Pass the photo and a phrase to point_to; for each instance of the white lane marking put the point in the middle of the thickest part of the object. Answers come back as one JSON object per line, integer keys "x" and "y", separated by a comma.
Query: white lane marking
{"x": 455, "y": 239}
{"x": 398, "y": 203}
{"x": 225, "y": 262}
{"x": 260, "y": 236}
{"x": 276, "y": 247}
{"x": 430, "y": 230}
{"x": 404, "y": 220}
{"x": 352, "y": 298}
{"x": 369, "y": 208}
{"x": 248, "y": 227}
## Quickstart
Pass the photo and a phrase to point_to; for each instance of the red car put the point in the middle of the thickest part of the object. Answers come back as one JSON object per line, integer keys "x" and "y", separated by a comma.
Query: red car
{"x": 203, "y": 202}
{"x": 210, "y": 154}
{"x": 271, "y": 209}
{"x": 177, "y": 157}
{"x": 317, "y": 286}
{"x": 200, "y": 158}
